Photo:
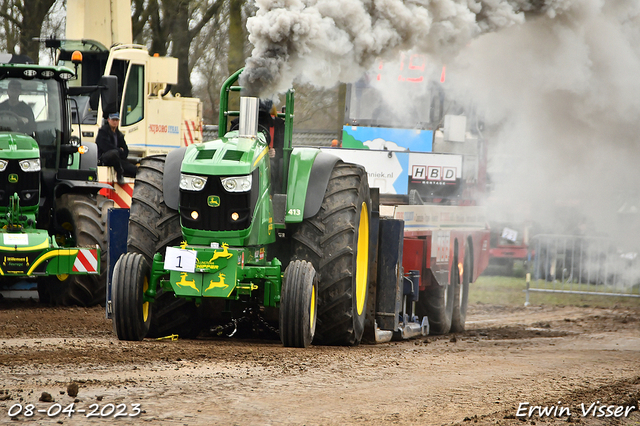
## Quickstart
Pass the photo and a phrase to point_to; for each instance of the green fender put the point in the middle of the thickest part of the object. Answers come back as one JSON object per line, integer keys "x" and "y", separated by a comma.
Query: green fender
{"x": 309, "y": 173}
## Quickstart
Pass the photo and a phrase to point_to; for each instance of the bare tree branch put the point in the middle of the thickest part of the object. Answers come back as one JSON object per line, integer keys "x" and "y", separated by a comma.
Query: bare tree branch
{"x": 208, "y": 15}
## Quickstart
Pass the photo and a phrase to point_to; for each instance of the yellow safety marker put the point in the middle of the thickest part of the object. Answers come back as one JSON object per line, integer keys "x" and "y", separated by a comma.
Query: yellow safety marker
{"x": 170, "y": 337}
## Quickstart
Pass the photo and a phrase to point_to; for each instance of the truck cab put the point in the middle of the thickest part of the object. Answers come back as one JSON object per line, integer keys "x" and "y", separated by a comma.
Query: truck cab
{"x": 152, "y": 119}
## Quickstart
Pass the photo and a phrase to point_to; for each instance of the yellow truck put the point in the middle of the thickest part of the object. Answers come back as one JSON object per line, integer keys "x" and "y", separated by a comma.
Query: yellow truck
{"x": 153, "y": 119}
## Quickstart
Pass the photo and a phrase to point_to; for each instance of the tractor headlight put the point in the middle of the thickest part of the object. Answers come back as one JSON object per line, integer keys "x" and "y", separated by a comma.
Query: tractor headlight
{"x": 192, "y": 183}
{"x": 237, "y": 183}
{"x": 3, "y": 165}
{"x": 32, "y": 165}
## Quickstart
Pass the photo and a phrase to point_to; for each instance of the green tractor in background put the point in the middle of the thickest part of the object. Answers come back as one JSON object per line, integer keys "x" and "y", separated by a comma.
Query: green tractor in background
{"x": 52, "y": 220}
{"x": 211, "y": 236}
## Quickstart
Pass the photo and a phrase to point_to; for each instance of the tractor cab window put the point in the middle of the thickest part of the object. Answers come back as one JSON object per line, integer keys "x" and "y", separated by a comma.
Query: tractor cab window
{"x": 32, "y": 107}
{"x": 84, "y": 110}
{"x": 133, "y": 108}
{"x": 16, "y": 115}
{"x": 94, "y": 61}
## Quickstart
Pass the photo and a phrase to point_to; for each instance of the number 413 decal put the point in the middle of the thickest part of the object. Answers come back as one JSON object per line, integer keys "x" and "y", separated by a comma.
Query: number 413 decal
{"x": 294, "y": 212}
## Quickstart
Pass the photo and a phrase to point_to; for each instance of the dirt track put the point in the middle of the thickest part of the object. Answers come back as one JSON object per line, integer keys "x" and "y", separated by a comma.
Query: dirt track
{"x": 508, "y": 356}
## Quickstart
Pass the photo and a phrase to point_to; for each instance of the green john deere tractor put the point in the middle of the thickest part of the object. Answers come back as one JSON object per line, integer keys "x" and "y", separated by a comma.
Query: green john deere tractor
{"x": 52, "y": 222}
{"x": 211, "y": 238}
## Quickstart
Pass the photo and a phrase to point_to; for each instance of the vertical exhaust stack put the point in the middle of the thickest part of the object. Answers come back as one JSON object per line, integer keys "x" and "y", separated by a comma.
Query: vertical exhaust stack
{"x": 248, "y": 122}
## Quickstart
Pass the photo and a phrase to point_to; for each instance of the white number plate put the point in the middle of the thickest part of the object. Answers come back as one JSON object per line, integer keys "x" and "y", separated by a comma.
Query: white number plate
{"x": 180, "y": 260}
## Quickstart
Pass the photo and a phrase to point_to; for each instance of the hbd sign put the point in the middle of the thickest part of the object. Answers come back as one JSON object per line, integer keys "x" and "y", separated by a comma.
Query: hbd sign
{"x": 434, "y": 173}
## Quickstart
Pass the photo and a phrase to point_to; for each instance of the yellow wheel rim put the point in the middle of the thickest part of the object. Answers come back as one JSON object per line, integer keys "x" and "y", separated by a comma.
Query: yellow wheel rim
{"x": 312, "y": 313}
{"x": 62, "y": 277}
{"x": 145, "y": 305}
{"x": 362, "y": 259}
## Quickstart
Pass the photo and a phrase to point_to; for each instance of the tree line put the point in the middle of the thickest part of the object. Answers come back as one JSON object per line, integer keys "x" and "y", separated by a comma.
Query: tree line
{"x": 208, "y": 37}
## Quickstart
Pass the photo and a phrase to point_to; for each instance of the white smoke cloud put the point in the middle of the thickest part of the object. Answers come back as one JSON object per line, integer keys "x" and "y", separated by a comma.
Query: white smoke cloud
{"x": 557, "y": 80}
{"x": 329, "y": 41}
{"x": 564, "y": 96}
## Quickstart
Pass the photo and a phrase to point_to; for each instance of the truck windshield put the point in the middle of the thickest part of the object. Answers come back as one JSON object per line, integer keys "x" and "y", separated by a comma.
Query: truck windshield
{"x": 404, "y": 106}
{"x": 408, "y": 93}
{"x": 32, "y": 107}
{"x": 399, "y": 94}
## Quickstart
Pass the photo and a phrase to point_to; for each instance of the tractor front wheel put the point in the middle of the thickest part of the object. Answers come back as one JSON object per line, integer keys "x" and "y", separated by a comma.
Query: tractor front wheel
{"x": 154, "y": 226}
{"x": 131, "y": 313}
{"x": 81, "y": 221}
{"x": 298, "y": 301}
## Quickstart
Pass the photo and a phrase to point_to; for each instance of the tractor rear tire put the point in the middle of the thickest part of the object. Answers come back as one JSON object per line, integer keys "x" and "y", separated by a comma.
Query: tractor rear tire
{"x": 131, "y": 314}
{"x": 153, "y": 227}
{"x": 85, "y": 217}
{"x": 461, "y": 296}
{"x": 437, "y": 304}
{"x": 298, "y": 304}
{"x": 336, "y": 242}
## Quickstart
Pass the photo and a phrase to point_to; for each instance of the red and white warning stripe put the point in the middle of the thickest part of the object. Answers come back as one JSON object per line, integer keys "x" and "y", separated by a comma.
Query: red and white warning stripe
{"x": 190, "y": 135}
{"x": 86, "y": 261}
{"x": 120, "y": 194}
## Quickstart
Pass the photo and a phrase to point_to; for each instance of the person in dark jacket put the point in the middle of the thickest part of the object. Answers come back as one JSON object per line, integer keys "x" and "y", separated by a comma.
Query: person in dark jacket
{"x": 275, "y": 126}
{"x": 21, "y": 110}
{"x": 113, "y": 150}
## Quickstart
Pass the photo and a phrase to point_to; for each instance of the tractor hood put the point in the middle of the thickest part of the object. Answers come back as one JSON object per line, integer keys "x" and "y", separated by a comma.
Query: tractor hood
{"x": 237, "y": 153}
{"x": 18, "y": 146}
{"x": 226, "y": 156}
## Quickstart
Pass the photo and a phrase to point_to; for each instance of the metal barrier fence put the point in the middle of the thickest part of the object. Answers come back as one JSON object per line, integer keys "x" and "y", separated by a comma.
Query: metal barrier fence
{"x": 581, "y": 265}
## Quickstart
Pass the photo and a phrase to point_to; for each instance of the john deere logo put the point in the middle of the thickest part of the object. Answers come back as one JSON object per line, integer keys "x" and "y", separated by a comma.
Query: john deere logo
{"x": 213, "y": 201}
{"x": 13, "y": 178}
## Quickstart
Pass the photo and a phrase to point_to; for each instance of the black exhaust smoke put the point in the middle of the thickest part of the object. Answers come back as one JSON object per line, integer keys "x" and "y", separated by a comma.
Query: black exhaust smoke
{"x": 321, "y": 43}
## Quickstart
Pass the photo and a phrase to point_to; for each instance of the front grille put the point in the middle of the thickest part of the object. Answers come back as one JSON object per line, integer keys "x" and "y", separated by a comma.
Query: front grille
{"x": 27, "y": 185}
{"x": 218, "y": 218}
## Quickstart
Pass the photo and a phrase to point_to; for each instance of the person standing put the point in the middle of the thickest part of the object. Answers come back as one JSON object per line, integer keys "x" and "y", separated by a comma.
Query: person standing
{"x": 113, "y": 150}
